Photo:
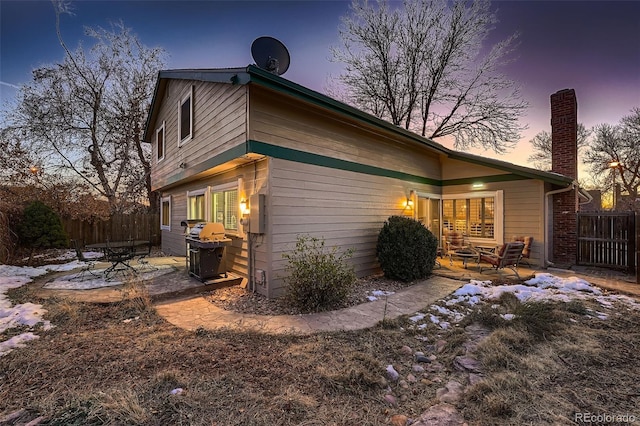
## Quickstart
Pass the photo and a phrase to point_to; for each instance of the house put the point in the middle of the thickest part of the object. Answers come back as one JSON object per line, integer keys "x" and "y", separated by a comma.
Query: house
{"x": 271, "y": 160}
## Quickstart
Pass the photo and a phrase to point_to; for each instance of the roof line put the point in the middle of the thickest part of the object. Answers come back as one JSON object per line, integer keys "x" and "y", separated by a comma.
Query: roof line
{"x": 254, "y": 74}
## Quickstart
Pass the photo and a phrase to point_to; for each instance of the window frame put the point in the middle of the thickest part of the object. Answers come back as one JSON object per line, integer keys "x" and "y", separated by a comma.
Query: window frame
{"x": 162, "y": 201}
{"x": 187, "y": 138}
{"x": 164, "y": 142}
{"x": 225, "y": 188}
{"x": 194, "y": 193}
{"x": 498, "y": 214}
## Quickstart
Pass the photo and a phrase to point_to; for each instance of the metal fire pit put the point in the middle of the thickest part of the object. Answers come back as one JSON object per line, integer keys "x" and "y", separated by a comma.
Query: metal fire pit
{"x": 206, "y": 244}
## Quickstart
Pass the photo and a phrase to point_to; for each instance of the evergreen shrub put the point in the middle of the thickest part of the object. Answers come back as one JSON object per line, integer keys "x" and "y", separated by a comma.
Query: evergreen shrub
{"x": 41, "y": 227}
{"x": 406, "y": 250}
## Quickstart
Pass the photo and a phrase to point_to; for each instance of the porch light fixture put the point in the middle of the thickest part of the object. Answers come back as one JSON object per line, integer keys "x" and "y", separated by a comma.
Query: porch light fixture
{"x": 478, "y": 185}
{"x": 614, "y": 164}
{"x": 243, "y": 206}
{"x": 409, "y": 203}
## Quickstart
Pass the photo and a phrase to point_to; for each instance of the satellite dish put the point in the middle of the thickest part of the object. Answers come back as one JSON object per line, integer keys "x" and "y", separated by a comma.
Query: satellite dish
{"x": 270, "y": 55}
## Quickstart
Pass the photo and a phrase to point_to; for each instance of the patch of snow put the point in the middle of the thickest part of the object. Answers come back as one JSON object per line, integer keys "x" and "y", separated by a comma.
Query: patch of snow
{"x": 25, "y": 314}
{"x": 16, "y": 342}
{"x": 416, "y": 318}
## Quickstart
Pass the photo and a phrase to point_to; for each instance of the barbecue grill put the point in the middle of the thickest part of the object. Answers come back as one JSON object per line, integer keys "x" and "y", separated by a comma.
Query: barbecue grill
{"x": 206, "y": 244}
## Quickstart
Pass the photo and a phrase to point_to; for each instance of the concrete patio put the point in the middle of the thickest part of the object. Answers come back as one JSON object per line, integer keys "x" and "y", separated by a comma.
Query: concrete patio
{"x": 177, "y": 298}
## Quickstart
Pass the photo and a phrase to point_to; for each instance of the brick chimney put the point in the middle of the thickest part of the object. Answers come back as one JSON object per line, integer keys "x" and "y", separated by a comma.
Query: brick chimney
{"x": 564, "y": 160}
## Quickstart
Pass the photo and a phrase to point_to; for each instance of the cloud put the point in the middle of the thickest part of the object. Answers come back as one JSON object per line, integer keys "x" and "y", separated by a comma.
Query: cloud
{"x": 4, "y": 83}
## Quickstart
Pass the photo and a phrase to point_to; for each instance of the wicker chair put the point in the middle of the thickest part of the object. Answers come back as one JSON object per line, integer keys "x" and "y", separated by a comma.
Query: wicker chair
{"x": 507, "y": 256}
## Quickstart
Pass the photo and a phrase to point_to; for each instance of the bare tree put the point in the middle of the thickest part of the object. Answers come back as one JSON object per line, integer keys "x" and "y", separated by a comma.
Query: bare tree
{"x": 86, "y": 115}
{"x": 423, "y": 66}
{"x": 542, "y": 147}
{"x": 614, "y": 151}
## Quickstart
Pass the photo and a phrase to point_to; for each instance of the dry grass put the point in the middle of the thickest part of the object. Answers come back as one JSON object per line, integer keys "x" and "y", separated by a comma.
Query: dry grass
{"x": 94, "y": 368}
{"x": 588, "y": 365}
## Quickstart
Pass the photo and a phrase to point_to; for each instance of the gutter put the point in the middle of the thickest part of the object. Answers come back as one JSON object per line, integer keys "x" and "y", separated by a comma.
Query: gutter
{"x": 547, "y": 196}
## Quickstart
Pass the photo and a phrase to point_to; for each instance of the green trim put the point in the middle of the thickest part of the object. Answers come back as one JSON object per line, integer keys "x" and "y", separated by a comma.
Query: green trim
{"x": 210, "y": 163}
{"x": 334, "y": 163}
{"x": 279, "y": 84}
{"x": 254, "y": 75}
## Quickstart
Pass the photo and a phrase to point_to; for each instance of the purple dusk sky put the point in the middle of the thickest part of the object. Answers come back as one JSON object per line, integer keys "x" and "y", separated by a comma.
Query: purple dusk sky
{"x": 590, "y": 46}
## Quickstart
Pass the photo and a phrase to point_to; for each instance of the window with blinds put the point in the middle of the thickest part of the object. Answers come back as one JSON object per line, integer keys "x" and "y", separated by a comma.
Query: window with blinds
{"x": 474, "y": 217}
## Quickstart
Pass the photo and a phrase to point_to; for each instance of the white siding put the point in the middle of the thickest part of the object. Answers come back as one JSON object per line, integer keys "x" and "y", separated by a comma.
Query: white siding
{"x": 253, "y": 179}
{"x": 289, "y": 123}
{"x": 219, "y": 123}
{"x": 523, "y": 210}
{"x": 345, "y": 208}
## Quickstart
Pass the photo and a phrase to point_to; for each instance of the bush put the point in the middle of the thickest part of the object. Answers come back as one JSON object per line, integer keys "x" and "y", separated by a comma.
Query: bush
{"x": 318, "y": 279}
{"x": 406, "y": 250}
{"x": 41, "y": 227}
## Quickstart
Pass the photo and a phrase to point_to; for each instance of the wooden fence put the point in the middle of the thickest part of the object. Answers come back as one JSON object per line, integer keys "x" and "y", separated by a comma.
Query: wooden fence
{"x": 119, "y": 228}
{"x": 607, "y": 239}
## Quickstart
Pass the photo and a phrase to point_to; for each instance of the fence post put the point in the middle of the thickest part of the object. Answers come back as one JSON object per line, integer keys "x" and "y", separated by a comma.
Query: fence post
{"x": 637, "y": 229}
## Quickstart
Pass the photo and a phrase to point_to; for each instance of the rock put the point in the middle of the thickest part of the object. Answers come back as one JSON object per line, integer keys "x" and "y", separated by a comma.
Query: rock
{"x": 404, "y": 398}
{"x": 441, "y": 415}
{"x": 440, "y": 344}
{"x": 390, "y": 399}
{"x": 435, "y": 367}
{"x": 451, "y": 393}
{"x": 418, "y": 353}
{"x": 406, "y": 350}
{"x": 422, "y": 358}
{"x": 416, "y": 368}
{"x": 425, "y": 381}
{"x": 399, "y": 420}
{"x": 403, "y": 384}
{"x": 392, "y": 373}
{"x": 411, "y": 378}
{"x": 430, "y": 348}
{"x": 467, "y": 363}
{"x": 383, "y": 382}
{"x": 474, "y": 379}
{"x": 432, "y": 357}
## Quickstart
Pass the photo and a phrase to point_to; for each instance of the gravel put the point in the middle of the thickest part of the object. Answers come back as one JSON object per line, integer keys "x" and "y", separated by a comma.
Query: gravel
{"x": 241, "y": 300}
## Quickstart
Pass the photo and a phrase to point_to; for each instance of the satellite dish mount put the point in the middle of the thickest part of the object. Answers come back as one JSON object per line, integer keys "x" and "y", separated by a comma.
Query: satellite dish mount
{"x": 270, "y": 55}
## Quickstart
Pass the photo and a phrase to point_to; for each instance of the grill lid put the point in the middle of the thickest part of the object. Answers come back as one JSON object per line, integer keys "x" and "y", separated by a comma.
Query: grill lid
{"x": 208, "y": 231}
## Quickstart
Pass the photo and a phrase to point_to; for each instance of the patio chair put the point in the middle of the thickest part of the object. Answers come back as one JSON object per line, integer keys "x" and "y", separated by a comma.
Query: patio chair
{"x": 143, "y": 253}
{"x": 507, "y": 256}
{"x": 453, "y": 242}
{"x": 89, "y": 264}
{"x": 526, "y": 251}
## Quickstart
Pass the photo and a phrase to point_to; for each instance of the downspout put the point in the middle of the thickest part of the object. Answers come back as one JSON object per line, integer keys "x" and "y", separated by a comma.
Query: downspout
{"x": 586, "y": 196}
{"x": 547, "y": 195}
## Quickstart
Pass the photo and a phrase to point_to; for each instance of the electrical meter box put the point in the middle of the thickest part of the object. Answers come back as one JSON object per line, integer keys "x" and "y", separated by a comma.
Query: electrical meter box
{"x": 257, "y": 216}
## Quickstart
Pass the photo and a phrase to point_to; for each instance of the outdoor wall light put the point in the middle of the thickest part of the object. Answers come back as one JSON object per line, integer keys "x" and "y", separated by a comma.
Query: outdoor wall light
{"x": 409, "y": 203}
{"x": 477, "y": 185}
{"x": 244, "y": 208}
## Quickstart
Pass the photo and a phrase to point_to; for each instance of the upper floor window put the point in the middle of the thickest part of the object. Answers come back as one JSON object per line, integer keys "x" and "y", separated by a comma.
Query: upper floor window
{"x": 185, "y": 118}
{"x": 165, "y": 213}
{"x": 160, "y": 142}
